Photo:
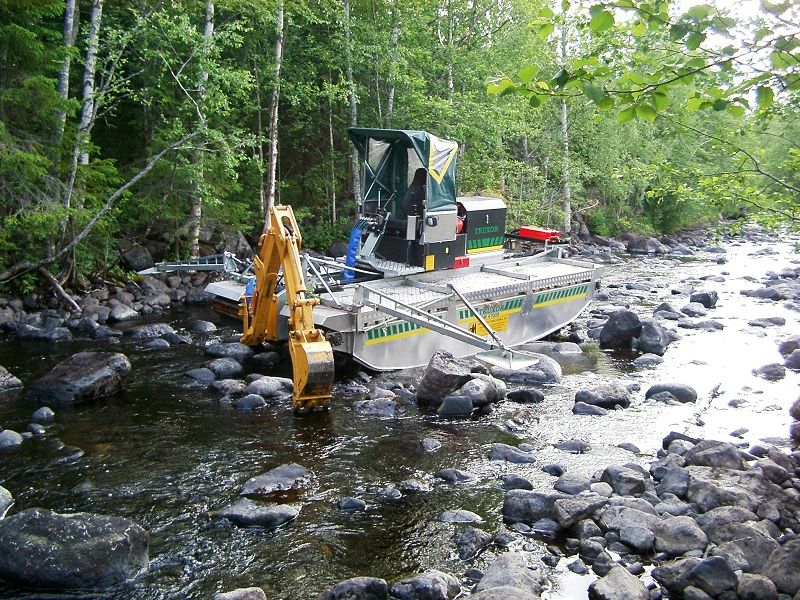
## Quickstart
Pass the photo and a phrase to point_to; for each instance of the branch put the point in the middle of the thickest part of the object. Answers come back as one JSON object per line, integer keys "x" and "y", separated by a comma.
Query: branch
{"x": 27, "y": 266}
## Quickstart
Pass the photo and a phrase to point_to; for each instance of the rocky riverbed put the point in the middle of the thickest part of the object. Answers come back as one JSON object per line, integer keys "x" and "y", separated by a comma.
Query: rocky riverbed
{"x": 647, "y": 455}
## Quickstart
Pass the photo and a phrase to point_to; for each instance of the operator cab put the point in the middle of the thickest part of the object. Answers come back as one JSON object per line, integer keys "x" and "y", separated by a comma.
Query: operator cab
{"x": 409, "y": 216}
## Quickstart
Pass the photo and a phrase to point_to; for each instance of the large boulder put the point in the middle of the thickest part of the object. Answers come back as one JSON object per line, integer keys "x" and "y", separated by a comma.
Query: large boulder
{"x": 654, "y": 339}
{"x": 681, "y": 391}
{"x": 251, "y": 593}
{"x": 619, "y": 584}
{"x": 605, "y": 395}
{"x": 482, "y": 390}
{"x": 529, "y": 506}
{"x": 150, "y": 330}
{"x": 711, "y": 453}
{"x": 250, "y": 513}
{"x": 43, "y": 549}
{"x": 620, "y": 329}
{"x": 282, "y": 479}
{"x": 678, "y": 535}
{"x": 546, "y": 370}
{"x": 82, "y": 377}
{"x": 708, "y": 298}
{"x": 645, "y": 245}
{"x": 511, "y": 571}
{"x": 235, "y": 350}
{"x": 6, "y": 500}
{"x": 8, "y": 381}
{"x": 783, "y": 568}
{"x": 443, "y": 375}
{"x": 358, "y": 588}
{"x": 430, "y": 585}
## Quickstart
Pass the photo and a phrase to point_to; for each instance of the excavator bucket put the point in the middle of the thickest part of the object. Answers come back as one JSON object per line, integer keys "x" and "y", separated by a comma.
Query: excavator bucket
{"x": 312, "y": 363}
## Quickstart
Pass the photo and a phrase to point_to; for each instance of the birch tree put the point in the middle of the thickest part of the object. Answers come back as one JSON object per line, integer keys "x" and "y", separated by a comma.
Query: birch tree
{"x": 274, "y": 104}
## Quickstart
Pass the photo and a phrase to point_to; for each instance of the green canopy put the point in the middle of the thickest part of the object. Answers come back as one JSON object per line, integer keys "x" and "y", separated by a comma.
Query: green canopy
{"x": 392, "y": 156}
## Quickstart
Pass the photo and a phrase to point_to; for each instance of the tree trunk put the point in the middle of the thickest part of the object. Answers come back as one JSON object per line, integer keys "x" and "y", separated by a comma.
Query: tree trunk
{"x": 566, "y": 200}
{"x": 262, "y": 190}
{"x": 332, "y": 154}
{"x": 273, "y": 108}
{"x": 196, "y": 208}
{"x": 70, "y": 35}
{"x": 87, "y": 110}
{"x": 395, "y": 37}
{"x": 352, "y": 100}
{"x": 450, "y": 27}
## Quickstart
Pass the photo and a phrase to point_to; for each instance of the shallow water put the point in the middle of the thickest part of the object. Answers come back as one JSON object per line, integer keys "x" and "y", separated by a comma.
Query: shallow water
{"x": 164, "y": 453}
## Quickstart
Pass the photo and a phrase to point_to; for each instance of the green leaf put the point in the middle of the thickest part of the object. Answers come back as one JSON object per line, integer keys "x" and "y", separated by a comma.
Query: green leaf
{"x": 639, "y": 29}
{"x": 694, "y": 104}
{"x": 546, "y": 13}
{"x": 545, "y": 30}
{"x": 764, "y": 97}
{"x": 646, "y": 112}
{"x": 694, "y": 39}
{"x": 696, "y": 63}
{"x": 626, "y": 115}
{"x": 561, "y": 78}
{"x": 594, "y": 93}
{"x": 720, "y": 104}
{"x": 499, "y": 86}
{"x": 660, "y": 101}
{"x": 564, "y": 5}
{"x": 543, "y": 85}
{"x": 678, "y": 30}
{"x": 535, "y": 101}
{"x": 605, "y": 103}
{"x": 526, "y": 74}
{"x": 736, "y": 111}
{"x": 701, "y": 11}
{"x": 782, "y": 60}
{"x": 601, "y": 21}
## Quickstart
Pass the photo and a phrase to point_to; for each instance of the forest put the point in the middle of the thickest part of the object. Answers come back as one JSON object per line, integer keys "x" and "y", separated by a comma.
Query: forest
{"x": 162, "y": 122}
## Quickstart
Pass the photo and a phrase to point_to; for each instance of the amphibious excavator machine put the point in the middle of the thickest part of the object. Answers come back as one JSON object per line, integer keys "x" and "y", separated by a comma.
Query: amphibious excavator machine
{"x": 424, "y": 270}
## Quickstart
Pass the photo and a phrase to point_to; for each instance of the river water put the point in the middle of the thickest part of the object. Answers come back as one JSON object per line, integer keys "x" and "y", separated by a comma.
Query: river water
{"x": 164, "y": 452}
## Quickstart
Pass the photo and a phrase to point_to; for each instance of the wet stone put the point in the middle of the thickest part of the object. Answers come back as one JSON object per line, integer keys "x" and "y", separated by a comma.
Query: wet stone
{"x": 352, "y": 505}
{"x": 431, "y": 445}
{"x": 82, "y": 377}
{"x": 224, "y": 368}
{"x": 515, "y": 482}
{"x": 525, "y": 396}
{"x": 201, "y": 375}
{"x": 471, "y": 541}
{"x": 581, "y": 408}
{"x": 572, "y": 484}
{"x": 629, "y": 447}
{"x": 771, "y": 372}
{"x": 249, "y": 402}
{"x": 460, "y": 516}
{"x": 415, "y": 486}
{"x": 378, "y": 407}
{"x": 235, "y": 350}
{"x": 280, "y": 479}
{"x": 620, "y": 329}
{"x": 573, "y": 446}
{"x": 431, "y": 585}
{"x": 455, "y": 476}
{"x": 511, "y": 454}
{"x": 250, "y": 513}
{"x": 6, "y": 500}
{"x": 358, "y": 588}
{"x": 455, "y": 406}
{"x": 648, "y": 360}
{"x": 606, "y": 395}
{"x": 10, "y": 439}
{"x": 510, "y": 570}
{"x": 251, "y": 593}
{"x": 554, "y": 470}
{"x": 681, "y": 391}
{"x": 200, "y": 326}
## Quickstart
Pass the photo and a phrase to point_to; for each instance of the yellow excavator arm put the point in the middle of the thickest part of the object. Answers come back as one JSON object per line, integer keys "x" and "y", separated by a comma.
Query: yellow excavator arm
{"x": 311, "y": 353}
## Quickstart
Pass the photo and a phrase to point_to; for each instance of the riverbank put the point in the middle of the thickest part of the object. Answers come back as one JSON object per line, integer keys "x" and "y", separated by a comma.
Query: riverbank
{"x": 165, "y": 453}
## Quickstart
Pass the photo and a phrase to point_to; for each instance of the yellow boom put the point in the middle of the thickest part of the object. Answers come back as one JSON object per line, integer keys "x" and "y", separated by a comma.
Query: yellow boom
{"x": 311, "y": 353}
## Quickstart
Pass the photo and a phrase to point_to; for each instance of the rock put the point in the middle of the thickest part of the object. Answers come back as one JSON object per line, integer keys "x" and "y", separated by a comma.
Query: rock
{"x": 430, "y": 585}
{"x": 674, "y": 576}
{"x": 157, "y": 344}
{"x": 455, "y": 406}
{"x": 120, "y": 313}
{"x": 510, "y": 570}
{"x": 455, "y": 476}
{"x": 460, "y": 516}
{"x": 674, "y": 480}
{"x": 443, "y": 375}
{"x": 569, "y": 511}
{"x": 581, "y": 408}
{"x": 645, "y": 245}
{"x": 352, "y": 505}
{"x": 358, "y": 588}
{"x": 554, "y": 470}
{"x": 471, "y": 541}
{"x": 767, "y": 322}
{"x": 251, "y": 593}
{"x": 629, "y": 447}
{"x": 82, "y": 377}
{"x": 694, "y": 309}
{"x": 605, "y": 395}
{"x": 529, "y": 506}
{"x": 280, "y": 479}
{"x": 525, "y": 396}
{"x": 793, "y": 361}
{"x": 678, "y": 535}
{"x": 789, "y": 345}
{"x": 547, "y": 370}
{"x": 756, "y": 587}
{"x": 511, "y": 454}
{"x": 714, "y": 576}
{"x": 43, "y": 549}
{"x": 601, "y": 488}
{"x": 263, "y": 361}
{"x": 431, "y": 445}
{"x": 515, "y": 482}
{"x": 771, "y": 372}
{"x": 235, "y": 350}
{"x": 482, "y": 390}
{"x": 229, "y": 387}
{"x": 694, "y": 593}
{"x": 202, "y": 375}
{"x": 648, "y": 360}
{"x": 6, "y": 500}
{"x": 619, "y": 584}
{"x": 681, "y": 391}
{"x": 249, "y": 402}
{"x": 415, "y": 486}
{"x": 10, "y": 439}
{"x": 615, "y": 517}
{"x": 8, "y": 381}
{"x": 573, "y": 446}
{"x": 151, "y": 330}
{"x": 224, "y": 368}
{"x": 708, "y": 298}
{"x": 620, "y": 329}
{"x": 782, "y": 567}
{"x": 200, "y": 326}
{"x": 567, "y": 348}
{"x": 271, "y": 388}
{"x": 250, "y": 513}
{"x": 625, "y": 481}
{"x": 711, "y": 453}
{"x": 654, "y": 338}
{"x": 572, "y": 484}
{"x": 379, "y": 407}
{"x": 638, "y": 538}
